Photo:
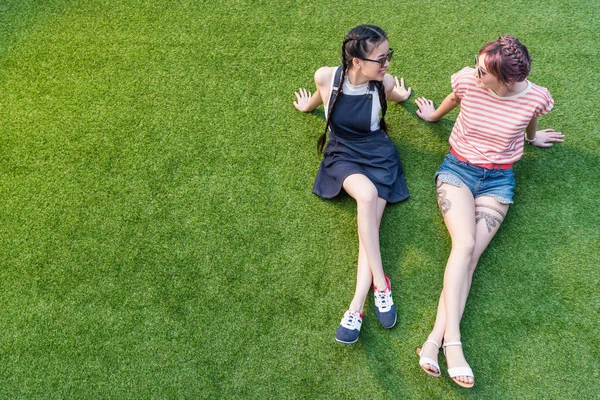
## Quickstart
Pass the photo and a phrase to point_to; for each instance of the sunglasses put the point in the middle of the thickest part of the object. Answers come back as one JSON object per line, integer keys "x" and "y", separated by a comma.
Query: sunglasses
{"x": 480, "y": 72}
{"x": 381, "y": 61}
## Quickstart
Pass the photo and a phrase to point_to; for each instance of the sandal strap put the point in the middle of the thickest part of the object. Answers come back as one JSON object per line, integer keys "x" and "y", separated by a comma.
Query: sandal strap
{"x": 460, "y": 371}
{"x": 427, "y": 360}
{"x": 446, "y": 344}
{"x": 431, "y": 341}
{"x": 452, "y": 344}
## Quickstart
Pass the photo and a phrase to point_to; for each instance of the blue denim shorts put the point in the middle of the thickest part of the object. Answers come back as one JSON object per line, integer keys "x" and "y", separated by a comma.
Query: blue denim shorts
{"x": 496, "y": 183}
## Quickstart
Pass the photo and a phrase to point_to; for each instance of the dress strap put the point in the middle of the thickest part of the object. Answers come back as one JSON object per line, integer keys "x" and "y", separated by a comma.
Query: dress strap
{"x": 337, "y": 76}
{"x": 335, "y": 86}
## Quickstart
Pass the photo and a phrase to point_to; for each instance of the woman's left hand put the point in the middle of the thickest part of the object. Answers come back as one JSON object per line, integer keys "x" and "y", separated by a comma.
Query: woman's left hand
{"x": 546, "y": 137}
{"x": 400, "y": 93}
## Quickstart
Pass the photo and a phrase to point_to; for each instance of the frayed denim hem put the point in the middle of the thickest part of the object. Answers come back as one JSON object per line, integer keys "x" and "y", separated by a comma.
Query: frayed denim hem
{"x": 449, "y": 178}
{"x": 456, "y": 181}
{"x": 500, "y": 199}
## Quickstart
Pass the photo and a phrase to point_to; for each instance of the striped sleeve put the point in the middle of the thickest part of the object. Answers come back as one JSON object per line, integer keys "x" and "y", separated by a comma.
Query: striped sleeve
{"x": 546, "y": 102}
{"x": 459, "y": 81}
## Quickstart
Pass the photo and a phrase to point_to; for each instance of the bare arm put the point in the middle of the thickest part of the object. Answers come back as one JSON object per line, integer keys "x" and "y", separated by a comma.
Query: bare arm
{"x": 531, "y": 130}
{"x": 428, "y": 112}
{"x": 394, "y": 89}
{"x": 306, "y": 101}
{"x": 543, "y": 138}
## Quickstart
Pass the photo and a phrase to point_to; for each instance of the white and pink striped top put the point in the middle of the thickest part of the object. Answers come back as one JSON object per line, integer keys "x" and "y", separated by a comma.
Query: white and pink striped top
{"x": 490, "y": 129}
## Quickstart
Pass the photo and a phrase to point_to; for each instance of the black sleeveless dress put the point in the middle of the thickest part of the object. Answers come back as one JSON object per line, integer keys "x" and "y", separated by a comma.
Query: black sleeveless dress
{"x": 354, "y": 149}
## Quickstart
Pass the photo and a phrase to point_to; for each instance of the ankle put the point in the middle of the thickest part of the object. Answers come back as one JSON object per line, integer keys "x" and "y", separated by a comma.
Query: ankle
{"x": 451, "y": 338}
{"x": 382, "y": 284}
{"x": 438, "y": 339}
{"x": 359, "y": 308}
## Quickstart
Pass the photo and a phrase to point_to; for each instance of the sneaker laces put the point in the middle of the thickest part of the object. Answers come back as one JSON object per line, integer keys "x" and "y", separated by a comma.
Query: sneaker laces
{"x": 351, "y": 320}
{"x": 383, "y": 300}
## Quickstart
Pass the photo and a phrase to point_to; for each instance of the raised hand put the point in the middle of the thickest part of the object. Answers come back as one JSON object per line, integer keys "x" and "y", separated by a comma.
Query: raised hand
{"x": 302, "y": 100}
{"x": 401, "y": 93}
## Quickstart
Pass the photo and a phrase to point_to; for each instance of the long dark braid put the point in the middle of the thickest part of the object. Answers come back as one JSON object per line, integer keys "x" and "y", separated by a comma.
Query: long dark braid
{"x": 383, "y": 102}
{"x": 322, "y": 139}
{"x": 357, "y": 43}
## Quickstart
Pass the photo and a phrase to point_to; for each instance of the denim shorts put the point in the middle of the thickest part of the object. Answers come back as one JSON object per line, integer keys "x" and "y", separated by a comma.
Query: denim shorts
{"x": 496, "y": 183}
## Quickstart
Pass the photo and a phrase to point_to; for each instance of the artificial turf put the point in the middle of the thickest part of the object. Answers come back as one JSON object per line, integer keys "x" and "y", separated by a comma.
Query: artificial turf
{"x": 159, "y": 237}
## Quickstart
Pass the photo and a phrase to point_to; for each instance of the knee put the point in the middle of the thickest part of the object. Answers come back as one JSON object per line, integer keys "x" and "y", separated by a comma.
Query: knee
{"x": 367, "y": 197}
{"x": 464, "y": 244}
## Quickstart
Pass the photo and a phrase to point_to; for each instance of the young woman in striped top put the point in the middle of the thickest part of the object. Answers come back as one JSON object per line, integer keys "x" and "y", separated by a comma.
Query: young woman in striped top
{"x": 475, "y": 182}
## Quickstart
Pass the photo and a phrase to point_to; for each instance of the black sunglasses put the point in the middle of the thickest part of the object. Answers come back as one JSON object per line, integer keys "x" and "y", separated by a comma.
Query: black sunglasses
{"x": 480, "y": 73}
{"x": 381, "y": 61}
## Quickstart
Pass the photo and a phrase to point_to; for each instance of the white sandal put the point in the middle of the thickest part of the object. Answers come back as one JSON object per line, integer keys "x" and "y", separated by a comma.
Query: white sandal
{"x": 430, "y": 361}
{"x": 459, "y": 371}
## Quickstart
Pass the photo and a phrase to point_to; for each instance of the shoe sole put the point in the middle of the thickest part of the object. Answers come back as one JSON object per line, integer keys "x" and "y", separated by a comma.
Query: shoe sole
{"x": 462, "y": 384}
{"x": 342, "y": 342}
{"x": 391, "y": 326}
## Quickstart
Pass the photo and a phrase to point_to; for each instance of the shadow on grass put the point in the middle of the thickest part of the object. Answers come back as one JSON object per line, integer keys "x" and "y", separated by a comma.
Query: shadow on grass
{"x": 514, "y": 295}
{"x": 520, "y": 296}
{"x": 319, "y": 113}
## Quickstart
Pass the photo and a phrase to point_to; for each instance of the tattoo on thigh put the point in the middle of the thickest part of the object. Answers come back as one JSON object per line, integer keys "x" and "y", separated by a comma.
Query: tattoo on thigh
{"x": 499, "y": 211}
{"x": 443, "y": 202}
{"x": 490, "y": 220}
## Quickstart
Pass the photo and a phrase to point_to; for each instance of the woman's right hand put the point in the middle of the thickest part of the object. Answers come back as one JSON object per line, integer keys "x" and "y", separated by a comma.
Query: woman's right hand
{"x": 302, "y": 100}
{"x": 426, "y": 109}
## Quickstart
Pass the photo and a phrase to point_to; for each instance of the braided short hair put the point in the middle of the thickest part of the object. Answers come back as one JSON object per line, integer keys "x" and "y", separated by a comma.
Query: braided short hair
{"x": 507, "y": 59}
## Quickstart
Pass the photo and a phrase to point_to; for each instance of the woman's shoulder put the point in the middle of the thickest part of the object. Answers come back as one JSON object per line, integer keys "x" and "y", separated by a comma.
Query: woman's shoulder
{"x": 324, "y": 75}
{"x": 467, "y": 74}
{"x": 539, "y": 88}
{"x": 388, "y": 83}
{"x": 462, "y": 81}
{"x": 542, "y": 96}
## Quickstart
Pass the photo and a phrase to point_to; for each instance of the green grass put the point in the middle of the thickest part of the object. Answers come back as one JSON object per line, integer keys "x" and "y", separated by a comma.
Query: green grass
{"x": 159, "y": 238}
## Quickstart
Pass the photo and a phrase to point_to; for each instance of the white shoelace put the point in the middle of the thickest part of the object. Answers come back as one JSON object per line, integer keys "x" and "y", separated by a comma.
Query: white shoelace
{"x": 351, "y": 320}
{"x": 383, "y": 300}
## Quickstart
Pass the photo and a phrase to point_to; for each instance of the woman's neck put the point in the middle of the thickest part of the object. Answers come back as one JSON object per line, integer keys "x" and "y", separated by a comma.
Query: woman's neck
{"x": 510, "y": 90}
{"x": 355, "y": 77}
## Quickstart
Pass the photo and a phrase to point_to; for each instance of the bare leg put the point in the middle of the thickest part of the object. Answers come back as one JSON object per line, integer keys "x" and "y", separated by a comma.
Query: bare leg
{"x": 364, "y": 277}
{"x": 489, "y": 214}
{"x": 460, "y": 222}
{"x": 367, "y": 199}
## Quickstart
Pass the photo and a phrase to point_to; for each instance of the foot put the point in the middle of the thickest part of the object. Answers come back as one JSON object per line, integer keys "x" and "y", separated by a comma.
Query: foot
{"x": 347, "y": 332}
{"x": 384, "y": 306}
{"x": 428, "y": 358}
{"x": 458, "y": 368}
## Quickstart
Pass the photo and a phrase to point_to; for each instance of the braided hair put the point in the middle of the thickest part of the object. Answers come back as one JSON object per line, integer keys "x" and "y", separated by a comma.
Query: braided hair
{"x": 507, "y": 59}
{"x": 357, "y": 44}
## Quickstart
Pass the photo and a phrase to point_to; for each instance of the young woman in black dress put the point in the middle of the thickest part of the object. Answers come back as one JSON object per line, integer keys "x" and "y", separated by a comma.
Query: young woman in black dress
{"x": 360, "y": 157}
